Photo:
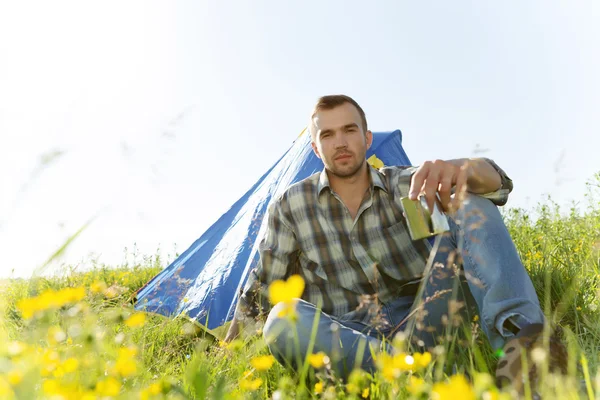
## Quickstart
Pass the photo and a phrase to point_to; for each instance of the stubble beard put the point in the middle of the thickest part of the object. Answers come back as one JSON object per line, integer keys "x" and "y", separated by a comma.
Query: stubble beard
{"x": 347, "y": 173}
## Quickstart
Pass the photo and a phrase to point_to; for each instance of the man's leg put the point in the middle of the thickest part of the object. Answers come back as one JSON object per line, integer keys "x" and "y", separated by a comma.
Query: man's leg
{"x": 346, "y": 347}
{"x": 497, "y": 281}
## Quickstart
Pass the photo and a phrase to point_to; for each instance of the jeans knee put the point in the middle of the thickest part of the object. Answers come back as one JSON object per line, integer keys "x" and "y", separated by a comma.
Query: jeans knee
{"x": 280, "y": 332}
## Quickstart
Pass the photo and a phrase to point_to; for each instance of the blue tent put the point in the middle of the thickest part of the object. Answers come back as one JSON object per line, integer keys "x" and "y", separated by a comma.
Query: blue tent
{"x": 204, "y": 282}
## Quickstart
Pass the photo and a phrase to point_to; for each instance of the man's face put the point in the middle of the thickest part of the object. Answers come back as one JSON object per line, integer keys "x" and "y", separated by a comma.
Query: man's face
{"x": 339, "y": 140}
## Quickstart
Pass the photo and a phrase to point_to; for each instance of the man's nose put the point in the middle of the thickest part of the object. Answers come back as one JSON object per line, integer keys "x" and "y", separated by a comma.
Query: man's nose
{"x": 340, "y": 141}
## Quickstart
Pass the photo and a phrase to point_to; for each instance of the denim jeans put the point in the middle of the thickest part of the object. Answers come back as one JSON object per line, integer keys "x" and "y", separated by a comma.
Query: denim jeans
{"x": 492, "y": 283}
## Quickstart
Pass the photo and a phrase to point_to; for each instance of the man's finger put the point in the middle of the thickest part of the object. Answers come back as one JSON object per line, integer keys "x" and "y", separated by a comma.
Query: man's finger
{"x": 461, "y": 188}
{"x": 418, "y": 178}
{"x": 444, "y": 191}
{"x": 431, "y": 187}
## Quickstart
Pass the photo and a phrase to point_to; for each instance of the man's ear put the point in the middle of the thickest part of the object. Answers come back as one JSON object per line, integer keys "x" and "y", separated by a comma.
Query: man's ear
{"x": 314, "y": 147}
{"x": 369, "y": 138}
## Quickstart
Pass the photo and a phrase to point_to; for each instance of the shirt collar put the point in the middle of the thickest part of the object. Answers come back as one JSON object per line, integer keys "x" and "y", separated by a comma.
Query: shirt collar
{"x": 376, "y": 180}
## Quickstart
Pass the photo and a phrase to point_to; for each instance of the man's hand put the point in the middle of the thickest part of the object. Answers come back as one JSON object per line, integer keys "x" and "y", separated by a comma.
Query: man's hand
{"x": 233, "y": 332}
{"x": 439, "y": 177}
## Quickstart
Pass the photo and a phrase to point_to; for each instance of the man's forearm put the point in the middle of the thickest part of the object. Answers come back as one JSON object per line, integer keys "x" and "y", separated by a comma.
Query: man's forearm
{"x": 481, "y": 176}
{"x": 234, "y": 330}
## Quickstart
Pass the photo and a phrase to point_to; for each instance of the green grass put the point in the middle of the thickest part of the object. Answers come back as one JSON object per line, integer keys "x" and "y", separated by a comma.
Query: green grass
{"x": 560, "y": 249}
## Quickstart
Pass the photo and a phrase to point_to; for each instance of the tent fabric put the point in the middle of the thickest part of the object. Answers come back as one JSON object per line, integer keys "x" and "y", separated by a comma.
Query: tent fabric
{"x": 204, "y": 282}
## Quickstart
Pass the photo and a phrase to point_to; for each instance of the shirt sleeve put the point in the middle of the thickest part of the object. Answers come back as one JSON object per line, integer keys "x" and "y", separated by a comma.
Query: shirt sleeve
{"x": 278, "y": 256}
{"x": 500, "y": 196}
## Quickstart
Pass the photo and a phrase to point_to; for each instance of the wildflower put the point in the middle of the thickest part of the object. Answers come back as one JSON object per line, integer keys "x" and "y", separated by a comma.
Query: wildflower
{"x": 250, "y": 384}
{"x": 422, "y": 360}
{"x": 125, "y": 367}
{"x": 152, "y": 390}
{"x": 136, "y": 320}
{"x": 98, "y": 287}
{"x": 108, "y": 387}
{"x": 15, "y": 377}
{"x": 375, "y": 162}
{"x": 318, "y": 387}
{"x": 70, "y": 365}
{"x": 51, "y": 387}
{"x": 416, "y": 385}
{"x": 5, "y": 389}
{"x": 456, "y": 388}
{"x": 155, "y": 389}
{"x": 286, "y": 292}
{"x": 365, "y": 393}
{"x": 352, "y": 388}
{"x": 262, "y": 363}
{"x": 318, "y": 360}
{"x": 50, "y": 361}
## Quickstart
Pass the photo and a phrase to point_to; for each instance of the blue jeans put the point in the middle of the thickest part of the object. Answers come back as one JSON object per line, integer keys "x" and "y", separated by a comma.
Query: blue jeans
{"x": 492, "y": 283}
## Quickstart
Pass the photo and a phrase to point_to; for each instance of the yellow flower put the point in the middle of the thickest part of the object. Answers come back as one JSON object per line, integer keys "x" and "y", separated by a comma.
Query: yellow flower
{"x": 50, "y": 361}
{"x": 15, "y": 377}
{"x": 108, "y": 387}
{"x": 286, "y": 291}
{"x": 50, "y": 387}
{"x": 70, "y": 365}
{"x": 250, "y": 384}
{"x": 318, "y": 387}
{"x": 365, "y": 393}
{"x": 5, "y": 389}
{"x": 127, "y": 352}
{"x": 262, "y": 363}
{"x": 375, "y": 162}
{"x": 136, "y": 320}
{"x": 456, "y": 388}
{"x": 417, "y": 385}
{"x": 404, "y": 362}
{"x": 98, "y": 287}
{"x": 422, "y": 360}
{"x": 155, "y": 389}
{"x": 318, "y": 360}
{"x": 352, "y": 388}
{"x": 125, "y": 367}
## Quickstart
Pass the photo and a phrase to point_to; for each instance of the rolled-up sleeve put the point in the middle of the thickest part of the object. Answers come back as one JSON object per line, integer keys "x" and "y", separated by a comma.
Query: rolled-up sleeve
{"x": 500, "y": 196}
{"x": 278, "y": 254}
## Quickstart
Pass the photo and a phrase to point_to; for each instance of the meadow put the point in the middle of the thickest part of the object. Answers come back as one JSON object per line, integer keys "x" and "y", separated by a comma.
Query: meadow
{"x": 77, "y": 336}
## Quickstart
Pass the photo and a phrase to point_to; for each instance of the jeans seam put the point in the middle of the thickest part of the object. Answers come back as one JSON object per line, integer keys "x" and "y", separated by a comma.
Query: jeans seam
{"x": 475, "y": 272}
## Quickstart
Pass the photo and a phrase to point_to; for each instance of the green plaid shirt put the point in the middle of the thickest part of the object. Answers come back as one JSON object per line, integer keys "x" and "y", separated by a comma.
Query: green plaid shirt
{"x": 346, "y": 263}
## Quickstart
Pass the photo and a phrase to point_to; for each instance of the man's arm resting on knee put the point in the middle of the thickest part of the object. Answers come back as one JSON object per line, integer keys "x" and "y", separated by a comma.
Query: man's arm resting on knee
{"x": 234, "y": 330}
{"x": 278, "y": 253}
{"x": 483, "y": 175}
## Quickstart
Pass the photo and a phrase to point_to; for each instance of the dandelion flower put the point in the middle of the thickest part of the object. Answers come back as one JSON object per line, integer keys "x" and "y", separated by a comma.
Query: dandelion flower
{"x": 318, "y": 360}
{"x": 286, "y": 292}
{"x": 108, "y": 387}
{"x": 456, "y": 388}
{"x": 250, "y": 384}
{"x": 15, "y": 377}
{"x": 136, "y": 320}
{"x": 262, "y": 363}
{"x": 318, "y": 387}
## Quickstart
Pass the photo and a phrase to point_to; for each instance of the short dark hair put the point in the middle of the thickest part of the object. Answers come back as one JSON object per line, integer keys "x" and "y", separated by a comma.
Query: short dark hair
{"x": 332, "y": 101}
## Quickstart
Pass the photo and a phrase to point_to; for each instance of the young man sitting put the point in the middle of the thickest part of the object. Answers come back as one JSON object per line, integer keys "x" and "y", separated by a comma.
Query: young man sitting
{"x": 343, "y": 230}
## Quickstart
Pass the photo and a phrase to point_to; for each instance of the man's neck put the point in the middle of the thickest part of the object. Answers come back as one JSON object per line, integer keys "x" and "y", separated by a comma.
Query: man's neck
{"x": 354, "y": 185}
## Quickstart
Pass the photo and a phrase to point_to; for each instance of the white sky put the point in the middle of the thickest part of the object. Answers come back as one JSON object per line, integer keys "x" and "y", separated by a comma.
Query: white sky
{"x": 162, "y": 114}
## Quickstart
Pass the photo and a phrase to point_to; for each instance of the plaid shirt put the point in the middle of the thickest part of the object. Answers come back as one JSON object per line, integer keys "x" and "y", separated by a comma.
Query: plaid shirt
{"x": 344, "y": 261}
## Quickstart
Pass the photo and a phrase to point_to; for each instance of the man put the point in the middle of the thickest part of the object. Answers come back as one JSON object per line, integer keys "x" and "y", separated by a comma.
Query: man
{"x": 343, "y": 230}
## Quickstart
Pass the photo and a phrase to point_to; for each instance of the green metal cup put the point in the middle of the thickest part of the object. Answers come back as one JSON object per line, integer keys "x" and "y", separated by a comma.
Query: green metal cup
{"x": 422, "y": 223}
